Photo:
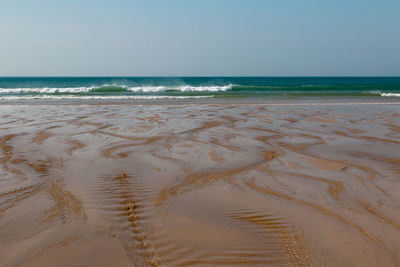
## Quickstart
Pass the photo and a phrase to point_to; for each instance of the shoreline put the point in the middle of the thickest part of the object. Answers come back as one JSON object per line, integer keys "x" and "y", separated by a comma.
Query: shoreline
{"x": 214, "y": 102}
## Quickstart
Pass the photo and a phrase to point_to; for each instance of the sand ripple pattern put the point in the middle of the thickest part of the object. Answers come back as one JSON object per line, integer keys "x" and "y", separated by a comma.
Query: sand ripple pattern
{"x": 128, "y": 215}
{"x": 201, "y": 185}
{"x": 281, "y": 238}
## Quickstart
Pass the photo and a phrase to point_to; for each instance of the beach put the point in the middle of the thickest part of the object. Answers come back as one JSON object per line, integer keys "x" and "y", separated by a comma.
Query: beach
{"x": 200, "y": 133}
{"x": 254, "y": 184}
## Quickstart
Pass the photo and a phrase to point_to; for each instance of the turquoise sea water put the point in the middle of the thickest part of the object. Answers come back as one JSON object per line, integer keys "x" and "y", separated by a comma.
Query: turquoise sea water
{"x": 139, "y": 88}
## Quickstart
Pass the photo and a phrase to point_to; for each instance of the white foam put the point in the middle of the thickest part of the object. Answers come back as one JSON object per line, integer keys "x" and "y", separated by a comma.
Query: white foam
{"x": 205, "y": 88}
{"x": 137, "y": 89}
{"x": 184, "y": 88}
{"x": 390, "y": 94}
{"x": 45, "y": 90}
{"x": 71, "y": 97}
{"x": 147, "y": 89}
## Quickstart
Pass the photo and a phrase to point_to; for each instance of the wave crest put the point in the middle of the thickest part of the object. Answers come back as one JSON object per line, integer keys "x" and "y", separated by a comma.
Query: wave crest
{"x": 390, "y": 94}
{"x": 99, "y": 97}
{"x": 45, "y": 90}
{"x": 114, "y": 89}
{"x": 185, "y": 88}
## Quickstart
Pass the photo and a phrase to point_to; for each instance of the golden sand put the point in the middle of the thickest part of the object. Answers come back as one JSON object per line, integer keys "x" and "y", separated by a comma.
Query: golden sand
{"x": 206, "y": 185}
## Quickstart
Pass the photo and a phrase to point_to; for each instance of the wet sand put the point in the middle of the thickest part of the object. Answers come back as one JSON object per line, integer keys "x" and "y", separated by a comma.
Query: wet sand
{"x": 179, "y": 185}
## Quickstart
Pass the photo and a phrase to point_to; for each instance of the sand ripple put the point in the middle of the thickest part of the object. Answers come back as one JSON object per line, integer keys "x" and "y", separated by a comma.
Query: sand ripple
{"x": 211, "y": 185}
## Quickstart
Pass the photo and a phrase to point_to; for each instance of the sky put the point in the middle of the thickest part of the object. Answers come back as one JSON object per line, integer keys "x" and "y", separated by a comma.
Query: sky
{"x": 200, "y": 38}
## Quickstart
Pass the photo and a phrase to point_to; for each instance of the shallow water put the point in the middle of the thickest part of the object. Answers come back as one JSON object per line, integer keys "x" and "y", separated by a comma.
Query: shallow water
{"x": 175, "y": 185}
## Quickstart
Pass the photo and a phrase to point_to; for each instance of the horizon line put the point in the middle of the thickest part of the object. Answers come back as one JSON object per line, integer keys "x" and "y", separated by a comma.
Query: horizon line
{"x": 202, "y": 76}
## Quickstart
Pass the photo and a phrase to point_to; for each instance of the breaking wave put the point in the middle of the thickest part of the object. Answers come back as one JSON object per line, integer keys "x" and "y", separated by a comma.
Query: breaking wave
{"x": 390, "y": 94}
{"x": 100, "y": 97}
{"x": 114, "y": 89}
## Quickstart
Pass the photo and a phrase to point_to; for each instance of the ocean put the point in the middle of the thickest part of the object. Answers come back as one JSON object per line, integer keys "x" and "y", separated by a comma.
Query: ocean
{"x": 199, "y": 171}
{"x": 133, "y": 89}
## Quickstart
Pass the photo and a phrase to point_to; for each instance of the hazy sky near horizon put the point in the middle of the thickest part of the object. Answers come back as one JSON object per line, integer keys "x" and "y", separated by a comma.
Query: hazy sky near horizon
{"x": 199, "y": 37}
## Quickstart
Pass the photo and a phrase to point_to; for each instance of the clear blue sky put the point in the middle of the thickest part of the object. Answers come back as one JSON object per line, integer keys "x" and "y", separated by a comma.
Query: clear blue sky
{"x": 199, "y": 37}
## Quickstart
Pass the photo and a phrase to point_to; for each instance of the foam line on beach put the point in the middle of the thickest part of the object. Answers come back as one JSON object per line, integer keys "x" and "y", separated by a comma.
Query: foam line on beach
{"x": 390, "y": 94}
